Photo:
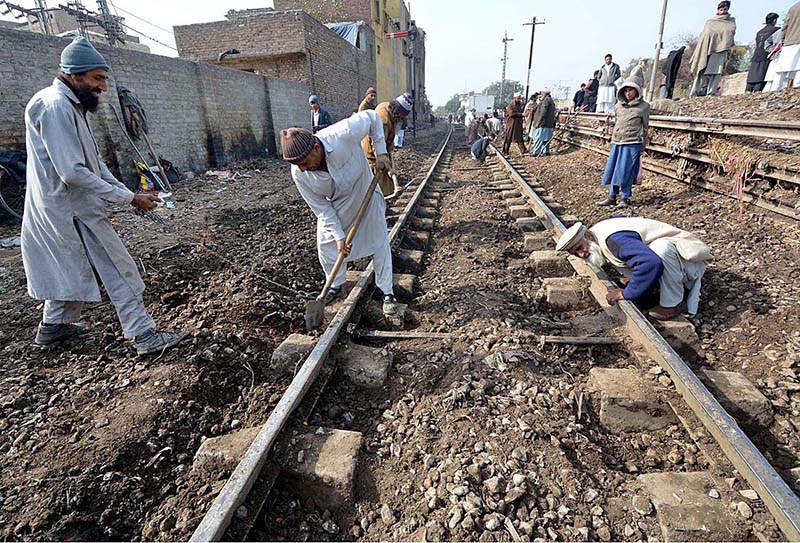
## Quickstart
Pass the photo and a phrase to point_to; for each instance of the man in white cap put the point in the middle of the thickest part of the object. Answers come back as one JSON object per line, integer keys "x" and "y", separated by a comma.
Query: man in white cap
{"x": 514, "y": 125}
{"x": 392, "y": 114}
{"x": 332, "y": 175}
{"x": 67, "y": 237}
{"x": 320, "y": 118}
{"x": 649, "y": 253}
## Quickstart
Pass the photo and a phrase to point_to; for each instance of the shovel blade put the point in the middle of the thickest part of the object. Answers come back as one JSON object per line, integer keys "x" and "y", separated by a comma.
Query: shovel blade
{"x": 315, "y": 314}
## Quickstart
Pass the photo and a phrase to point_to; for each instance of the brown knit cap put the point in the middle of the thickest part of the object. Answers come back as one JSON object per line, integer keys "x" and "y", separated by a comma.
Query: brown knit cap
{"x": 297, "y": 144}
{"x": 371, "y": 90}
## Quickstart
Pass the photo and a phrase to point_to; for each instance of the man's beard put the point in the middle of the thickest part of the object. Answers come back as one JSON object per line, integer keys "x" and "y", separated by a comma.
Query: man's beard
{"x": 596, "y": 257}
{"x": 88, "y": 100}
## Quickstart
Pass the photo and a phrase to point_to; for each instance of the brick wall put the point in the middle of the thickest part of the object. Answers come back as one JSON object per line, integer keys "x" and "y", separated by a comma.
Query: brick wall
{"x": 287, "y": 44}
{"x": 199, "y": 116}
{"x": 330, "y": 11}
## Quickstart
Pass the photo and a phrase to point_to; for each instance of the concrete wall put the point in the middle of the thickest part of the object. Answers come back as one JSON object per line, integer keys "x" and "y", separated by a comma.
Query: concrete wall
{"x": 734, "y": 84}
{"x": 289, "y": 44}
{"x": 199, "y": 116}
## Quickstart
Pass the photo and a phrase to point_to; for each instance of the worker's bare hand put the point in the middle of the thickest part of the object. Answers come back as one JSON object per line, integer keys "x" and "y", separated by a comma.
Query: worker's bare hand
{"x": 345, "y": 249}
{"x": 384, "y": 163}
{"x": 614, "y": 295}
{"x": 145, "y": 202}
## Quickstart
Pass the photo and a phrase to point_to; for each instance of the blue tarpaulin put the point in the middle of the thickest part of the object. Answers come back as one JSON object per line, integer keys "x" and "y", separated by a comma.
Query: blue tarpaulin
{"x": 348, "y": 31}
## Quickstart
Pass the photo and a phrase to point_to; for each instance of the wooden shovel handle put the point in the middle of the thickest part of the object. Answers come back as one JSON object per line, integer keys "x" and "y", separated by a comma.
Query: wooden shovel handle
{"x": 350, "y": 236}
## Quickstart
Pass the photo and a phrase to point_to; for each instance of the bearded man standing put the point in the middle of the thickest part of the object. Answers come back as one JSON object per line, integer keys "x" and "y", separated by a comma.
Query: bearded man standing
{"x": 370, "y": 100}
{"x": 649, "y": 253}
{"x": 711, "y": 53}
{"x": 392, "y": 116}
{"x": 67, "y": 238}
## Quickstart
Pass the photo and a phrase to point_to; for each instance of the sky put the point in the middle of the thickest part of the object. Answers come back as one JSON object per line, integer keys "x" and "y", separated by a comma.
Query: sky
{"x": 464, "y": 37}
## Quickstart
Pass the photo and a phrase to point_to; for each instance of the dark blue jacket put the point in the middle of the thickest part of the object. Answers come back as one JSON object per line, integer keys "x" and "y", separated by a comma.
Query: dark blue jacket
{"x": 479, "y": 148}
{"x": 325, "y": 119}
{"x": 646, "y": 266}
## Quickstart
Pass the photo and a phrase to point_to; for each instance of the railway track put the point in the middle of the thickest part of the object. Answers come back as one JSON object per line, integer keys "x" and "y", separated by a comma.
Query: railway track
{"x": 474, "y": 501}
{"x": 689, "y": 163}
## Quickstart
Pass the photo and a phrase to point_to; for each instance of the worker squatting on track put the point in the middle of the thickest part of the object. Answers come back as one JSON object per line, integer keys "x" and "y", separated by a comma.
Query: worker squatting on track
{"x": 652, "y": 255}
{"x": 332, "y": 175}
{"x": 391, "y": 115}
{"x": 67, "y": 237}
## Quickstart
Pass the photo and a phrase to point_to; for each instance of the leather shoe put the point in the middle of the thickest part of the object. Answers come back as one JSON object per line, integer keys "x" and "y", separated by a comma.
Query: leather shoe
{"x": 666, "y": 313}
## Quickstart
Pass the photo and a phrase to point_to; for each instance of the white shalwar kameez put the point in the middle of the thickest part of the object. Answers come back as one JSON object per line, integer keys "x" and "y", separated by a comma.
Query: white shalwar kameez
{"x": 606, "y": 94}
{"x": 783, "y": 68}
{"x": 336, "y": 195}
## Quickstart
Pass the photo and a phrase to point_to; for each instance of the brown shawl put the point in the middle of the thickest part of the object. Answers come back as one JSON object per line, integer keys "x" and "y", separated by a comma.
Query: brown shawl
{"x": 717, "y": 37}
{"x": 791, "y": 26}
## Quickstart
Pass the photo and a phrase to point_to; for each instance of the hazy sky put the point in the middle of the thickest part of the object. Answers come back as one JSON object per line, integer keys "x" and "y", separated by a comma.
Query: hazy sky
{"x": 464, "y": 45}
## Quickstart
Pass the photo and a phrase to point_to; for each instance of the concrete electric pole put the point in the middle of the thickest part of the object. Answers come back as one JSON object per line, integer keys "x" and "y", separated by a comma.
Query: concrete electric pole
{"x": 657, "y": 57}
{"x": 506, "y": 39}
{"x": 532, "y": 24}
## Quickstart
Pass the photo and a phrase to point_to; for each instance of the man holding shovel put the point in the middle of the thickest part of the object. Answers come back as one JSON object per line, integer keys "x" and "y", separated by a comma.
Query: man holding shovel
{"x": 333, "y": 176}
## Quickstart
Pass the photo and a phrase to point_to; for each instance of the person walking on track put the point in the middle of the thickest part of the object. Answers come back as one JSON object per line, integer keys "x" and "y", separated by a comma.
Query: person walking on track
{"x": 332, "y": 175}
{"x": 68, "y": 240}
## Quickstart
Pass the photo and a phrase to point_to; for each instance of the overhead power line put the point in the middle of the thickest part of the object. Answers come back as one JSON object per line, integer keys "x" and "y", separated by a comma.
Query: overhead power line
{"x": 117, "y": 8}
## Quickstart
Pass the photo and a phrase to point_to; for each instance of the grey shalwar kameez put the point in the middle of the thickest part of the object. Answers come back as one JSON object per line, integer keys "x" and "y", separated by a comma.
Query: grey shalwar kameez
{"x": 66, "y": 234}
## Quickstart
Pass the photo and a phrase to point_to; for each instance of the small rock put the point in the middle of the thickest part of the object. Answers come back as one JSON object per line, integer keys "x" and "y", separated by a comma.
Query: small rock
{"x": 520, "y": 454}
{"x": 642, "y": 505}
{"x": 356, "y": 531}
{"x": 456, "y": 515}
{"x": 301, "y": 455}
{"x": 460, "y": 491}
{"x": 519, "y": 479}
{"x": 590, "y": 496}
{"x": 365, "y": 523}
{"x": 628, "y": 530}
{"x": 493, "y": 524}
{"x": 242, "y": 512}
{"x": 744, "y": 510}
{"x": 495, "y": 485}
{"x": 387, "y": 515}
{"x": 714, "y": 493}
{"x": 604, "y": 533}
{"x": 750, "y": 494}
{"x": 468, "y": 524}
{"x": 331, "y": 527}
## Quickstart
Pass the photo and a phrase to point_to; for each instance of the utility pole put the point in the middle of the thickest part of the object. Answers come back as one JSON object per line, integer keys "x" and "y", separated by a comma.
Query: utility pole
{"x": 111, "y": 24}
{"x": 38, "y": 15}
{"x": 657, "y": 57}
{"x": 532, "y": 24}
{"x": 506, "y": 39}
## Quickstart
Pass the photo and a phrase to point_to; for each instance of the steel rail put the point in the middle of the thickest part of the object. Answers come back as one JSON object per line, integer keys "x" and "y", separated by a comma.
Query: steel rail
{"x": 781, "y": 501}
{"x": 236, "y": 489}
{"x": 785, "y": 130}
{"x": 691, "y": 153}
{"x": 653, "y": 166}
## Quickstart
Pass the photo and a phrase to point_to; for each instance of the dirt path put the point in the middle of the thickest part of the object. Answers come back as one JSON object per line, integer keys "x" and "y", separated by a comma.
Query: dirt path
{"x": 96, "y": 441}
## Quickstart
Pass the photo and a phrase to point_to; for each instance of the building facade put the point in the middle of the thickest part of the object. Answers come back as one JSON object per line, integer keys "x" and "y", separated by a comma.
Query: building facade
{"x": 291, "y": 45}
{"x": 392, "y": 60}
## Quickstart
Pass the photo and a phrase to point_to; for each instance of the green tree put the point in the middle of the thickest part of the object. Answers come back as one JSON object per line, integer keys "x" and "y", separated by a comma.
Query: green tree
{"x": 451, "y": 106}
{"x": 509, "y": 88}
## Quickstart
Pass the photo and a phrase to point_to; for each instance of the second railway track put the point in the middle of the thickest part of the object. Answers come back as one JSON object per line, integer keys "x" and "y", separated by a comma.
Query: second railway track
{"x": 516, "y": 407}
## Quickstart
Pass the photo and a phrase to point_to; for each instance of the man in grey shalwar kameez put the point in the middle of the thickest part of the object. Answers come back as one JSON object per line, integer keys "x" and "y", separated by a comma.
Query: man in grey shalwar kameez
{"x": 67, "y": 238}
{"x": 332, "y": 175}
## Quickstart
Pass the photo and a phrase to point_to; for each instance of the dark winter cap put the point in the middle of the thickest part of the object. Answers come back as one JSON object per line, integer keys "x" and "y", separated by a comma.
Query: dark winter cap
{"x": 724, "y": 4}
{"x": 80, "y": 57}
{"x": 297, "y": 144}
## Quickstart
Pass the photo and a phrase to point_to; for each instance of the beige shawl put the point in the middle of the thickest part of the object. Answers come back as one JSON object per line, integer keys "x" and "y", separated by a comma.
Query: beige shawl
{"x": 791, "y": 26}
{"x": 717, "y": 37}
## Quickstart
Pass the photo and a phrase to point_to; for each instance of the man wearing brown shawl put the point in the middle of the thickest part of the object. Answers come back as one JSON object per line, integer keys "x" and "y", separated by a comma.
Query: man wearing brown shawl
{"x": 370, "y": 100}
{"x": 514, "y": 126}
{"x": 712, "y": 50}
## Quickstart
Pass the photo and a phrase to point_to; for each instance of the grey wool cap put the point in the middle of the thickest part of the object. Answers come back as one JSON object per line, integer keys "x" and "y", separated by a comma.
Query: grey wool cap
{"x": 80, "y": 57}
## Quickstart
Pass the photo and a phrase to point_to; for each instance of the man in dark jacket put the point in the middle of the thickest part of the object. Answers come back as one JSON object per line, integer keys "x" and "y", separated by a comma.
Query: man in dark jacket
{"x": 670, "y": 70}
{"x": 764, "y": 45}
{"x": 579, "y": 99}
{"x": 592, "y": 87}
{"x": 544, "y": 121}
{"x": 320, "y": 118}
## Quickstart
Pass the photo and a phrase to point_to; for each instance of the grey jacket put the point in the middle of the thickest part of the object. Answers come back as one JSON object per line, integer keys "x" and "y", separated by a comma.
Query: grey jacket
{"x": 608, "y": 79}
{"x": 632, "y": 118}
{"x": 67, "y": 180}
{"x": 545, "y": 114}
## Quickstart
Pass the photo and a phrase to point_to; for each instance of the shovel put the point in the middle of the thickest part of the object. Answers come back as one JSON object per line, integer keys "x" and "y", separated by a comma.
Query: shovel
{"x": 315, "y": 309}
{"x": 398, "y": 189}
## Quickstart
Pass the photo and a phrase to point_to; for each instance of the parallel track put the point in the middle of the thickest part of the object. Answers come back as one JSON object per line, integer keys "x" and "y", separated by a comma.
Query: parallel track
{"x": 781, "y": 501}
{"x": 217, "y": 520}
{"x": 572, "y": 132}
